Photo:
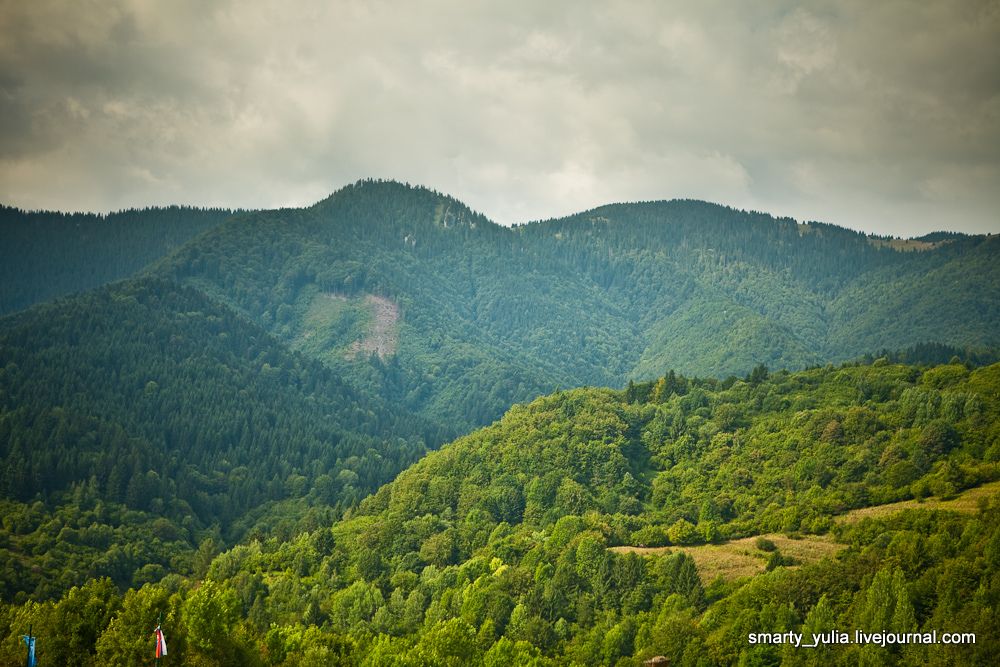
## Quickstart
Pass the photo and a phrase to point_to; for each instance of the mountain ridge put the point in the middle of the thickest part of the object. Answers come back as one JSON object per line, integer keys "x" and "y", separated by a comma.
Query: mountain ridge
{"x": 627, "y": 289}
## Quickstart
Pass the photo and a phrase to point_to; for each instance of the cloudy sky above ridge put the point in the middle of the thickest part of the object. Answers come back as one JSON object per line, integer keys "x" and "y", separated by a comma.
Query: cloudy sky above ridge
{"x": 879, "y": 116}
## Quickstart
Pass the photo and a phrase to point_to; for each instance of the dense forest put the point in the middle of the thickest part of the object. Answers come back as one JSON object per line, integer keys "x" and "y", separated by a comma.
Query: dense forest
{"x": 410, "y": 295}
{"x": 241, "y": 427}
{"x": 501, "y": 547}
{"x": 45, "y": 255}
{"x": 138, "y": 421}
{"x": 489, "y": 316}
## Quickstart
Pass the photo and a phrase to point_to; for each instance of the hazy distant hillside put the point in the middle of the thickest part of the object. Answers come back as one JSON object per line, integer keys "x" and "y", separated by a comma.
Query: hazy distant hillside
{"x": 44, "y": 255}
{"x": 465, "y": 317}
{"x": 480, "y": 322}
{"x": 766, "y": 290}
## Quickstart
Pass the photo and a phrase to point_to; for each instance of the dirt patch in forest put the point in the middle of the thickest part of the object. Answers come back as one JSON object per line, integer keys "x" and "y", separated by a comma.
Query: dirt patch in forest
{"x": 383, "y": 335}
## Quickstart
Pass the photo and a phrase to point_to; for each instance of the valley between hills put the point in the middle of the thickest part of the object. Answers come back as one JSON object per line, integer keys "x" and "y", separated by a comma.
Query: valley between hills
{"x": 384, "y": 430}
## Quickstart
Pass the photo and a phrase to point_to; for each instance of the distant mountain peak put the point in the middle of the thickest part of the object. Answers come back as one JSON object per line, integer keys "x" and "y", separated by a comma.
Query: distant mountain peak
{"x": 367, "y": 187}
{"x": 397, "y": 199}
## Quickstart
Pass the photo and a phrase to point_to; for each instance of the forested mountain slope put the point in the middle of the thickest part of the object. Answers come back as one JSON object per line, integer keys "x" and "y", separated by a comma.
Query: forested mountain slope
{"x": 44, "y": 255}
{"x": 255, "y": 384}
{"x": 718, "y": 290}
{"x": 480, "y": 323}
{"x": 494, "y": 550}
{"x": 468, "y": 317}
{"x": 147, "y": 407}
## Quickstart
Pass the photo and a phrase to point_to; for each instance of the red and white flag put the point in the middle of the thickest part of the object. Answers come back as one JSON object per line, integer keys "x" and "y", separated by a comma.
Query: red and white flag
{"x": 161, "y": 643}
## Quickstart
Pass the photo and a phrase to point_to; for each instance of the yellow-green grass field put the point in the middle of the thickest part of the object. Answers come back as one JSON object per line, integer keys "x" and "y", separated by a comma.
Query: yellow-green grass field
{"x": 741, "y": 558}
{"x": 967, "y": 501}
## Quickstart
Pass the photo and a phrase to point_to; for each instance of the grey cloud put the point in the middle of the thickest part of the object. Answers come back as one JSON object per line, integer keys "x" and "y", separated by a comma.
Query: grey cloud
{"x": 882, "y": 116}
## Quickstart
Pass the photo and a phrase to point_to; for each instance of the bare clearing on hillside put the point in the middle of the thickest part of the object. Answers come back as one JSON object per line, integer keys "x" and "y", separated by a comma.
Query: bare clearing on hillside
{"x": 383, "y": 335}
{"x": 907, "y": 245}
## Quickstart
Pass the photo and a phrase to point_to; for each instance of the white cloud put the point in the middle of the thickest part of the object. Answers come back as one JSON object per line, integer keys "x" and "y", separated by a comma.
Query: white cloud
{"x": 874, "y": 115}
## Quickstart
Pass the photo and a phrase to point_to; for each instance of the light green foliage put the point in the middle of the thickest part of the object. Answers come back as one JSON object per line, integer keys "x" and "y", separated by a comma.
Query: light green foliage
{"x": 128, "y": 638}
{"x": 68, "y": 629}
{"x": 449, "y": 644}
{"x": 683, "y": 532}
{"x": 886, "y": 604}
{"x": 505, "y": 652}
{"x": 209, "y": 616}
{"x": 355, "y": 605}
{"x": 437, "y": 568}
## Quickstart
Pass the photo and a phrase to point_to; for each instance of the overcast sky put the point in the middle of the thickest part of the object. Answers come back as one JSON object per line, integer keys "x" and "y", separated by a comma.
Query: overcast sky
{"x": 882, "y": 116}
